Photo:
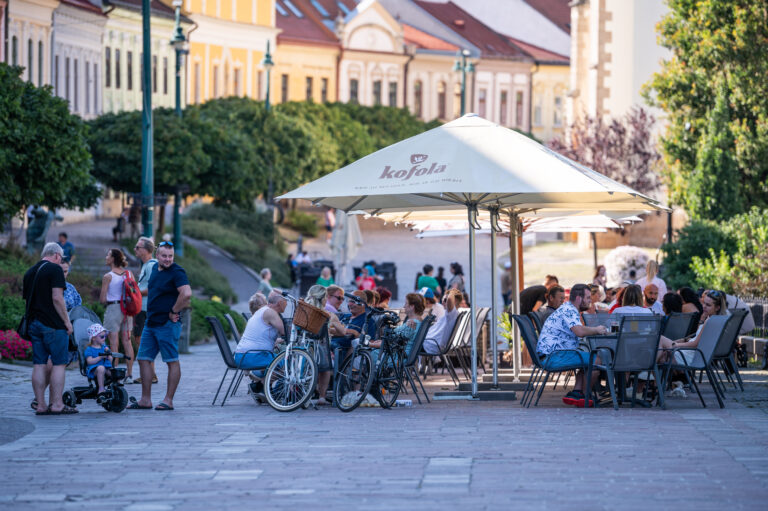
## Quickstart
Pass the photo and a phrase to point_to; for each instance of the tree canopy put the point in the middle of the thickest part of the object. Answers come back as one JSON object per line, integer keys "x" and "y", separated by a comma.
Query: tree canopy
{"x": 715, "y": 94}
{"x": 44, "y": 155}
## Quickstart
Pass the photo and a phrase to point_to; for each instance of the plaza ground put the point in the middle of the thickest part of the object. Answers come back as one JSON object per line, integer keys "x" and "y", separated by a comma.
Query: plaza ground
{"x": 442, "y": 455}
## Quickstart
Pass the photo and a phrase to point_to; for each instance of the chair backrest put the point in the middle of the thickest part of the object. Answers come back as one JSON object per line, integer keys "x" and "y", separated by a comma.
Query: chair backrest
{"x": 459, "y": 332}
{"x": 418, "y": 341}
{"x": 600, "y": 319}
{"x": 536, "y": 320}
{"x": 713, "y": 330}
{"x": 730, "y": 336}
{"x": 525, "y": 324}
{"x": 80, "y": 333}
{"x": 678, "y": 325}
{"x": 694, "y": 323}
{"x": 232, "y": 327}
{"x": 246, "y": 315}
{"x": 222, "y": 342}
{"x": 638, "y": 342}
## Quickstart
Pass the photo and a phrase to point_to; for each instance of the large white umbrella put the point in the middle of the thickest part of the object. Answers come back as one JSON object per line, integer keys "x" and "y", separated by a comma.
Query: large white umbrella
{"x": 469, "y": 164}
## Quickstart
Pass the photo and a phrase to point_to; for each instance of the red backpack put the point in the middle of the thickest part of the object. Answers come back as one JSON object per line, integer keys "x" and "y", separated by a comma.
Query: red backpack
{"x": 130, "y": 301}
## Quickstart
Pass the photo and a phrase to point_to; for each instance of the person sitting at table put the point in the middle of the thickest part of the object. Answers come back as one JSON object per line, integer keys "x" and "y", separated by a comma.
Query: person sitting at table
{"x": 439, "y": 333}
{"x": 326, "y": 278}
{"x": 691, "y": 302}
{"x": 365, "y": 281}
{"x": 597, "y": 295}
{"x": 713, "y": 304}
{"x": 317, "y": 296}
{"x": 259, "y": 337}
{"x": 632, "y": 302}
{"x": 385, "y": 295}
{"x": 414, "y": 308}
{"x": 561, "y": 332}
{"x": 671, "y": 303}
{"x": 431, "y": 305}
{"x": 617, "y": 300}
{"x": 651, "y": 299}
{"x": 555, "y": 298}
{"x": 354, "y": 324}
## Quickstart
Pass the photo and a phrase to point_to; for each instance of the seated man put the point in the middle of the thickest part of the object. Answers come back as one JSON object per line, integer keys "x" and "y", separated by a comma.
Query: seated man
{"x": 439, "y": 333}
{"x": 354, "y": 323}
{"x": 561, "y": 331}
{"x": 651, "y": 299}
{"x": 555, "y": 298}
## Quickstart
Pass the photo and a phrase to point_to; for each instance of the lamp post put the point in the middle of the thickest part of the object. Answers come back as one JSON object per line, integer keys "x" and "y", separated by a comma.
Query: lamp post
{"x": 268, "y": 64}
{"x": 461, "y": 65}
{"x": 179, "y": 43}
{"x": 147, "y": 171}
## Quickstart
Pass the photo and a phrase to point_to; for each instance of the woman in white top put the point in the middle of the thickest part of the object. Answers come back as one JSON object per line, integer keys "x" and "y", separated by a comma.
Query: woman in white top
{"x": 632, "y": 302}
{"x": 714, "y": 304}
{"x": 651, "y": 277}
{"x": 117, "y": 325}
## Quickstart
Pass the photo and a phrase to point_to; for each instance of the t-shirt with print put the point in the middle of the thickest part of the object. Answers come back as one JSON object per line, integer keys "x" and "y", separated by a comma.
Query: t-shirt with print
{"x": 556, "y": 334}
{"x": 146, "y": 271}
{"x": 163, "y": 292}
{"x": 41, "y": 306}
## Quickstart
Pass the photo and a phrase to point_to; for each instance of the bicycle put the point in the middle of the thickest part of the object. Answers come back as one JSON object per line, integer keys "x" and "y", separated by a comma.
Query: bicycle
{"x": 290, "y": 379}
{"x": 358, "y": 376}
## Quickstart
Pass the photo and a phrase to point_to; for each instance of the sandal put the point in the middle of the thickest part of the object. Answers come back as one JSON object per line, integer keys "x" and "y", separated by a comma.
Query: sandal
{"x": 47, "y": 411}
{"x": 163, "y": 407}
{"x": 67, "y": 410}
{"x": 136, "y": 406}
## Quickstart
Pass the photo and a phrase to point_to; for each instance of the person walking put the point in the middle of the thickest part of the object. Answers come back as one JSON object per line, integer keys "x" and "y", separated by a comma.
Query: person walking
{"x": 49, "y": 327}
{"x": 168, "y": 294}
{"x": 144, "y": 250}
{"x": 115, "y": 322}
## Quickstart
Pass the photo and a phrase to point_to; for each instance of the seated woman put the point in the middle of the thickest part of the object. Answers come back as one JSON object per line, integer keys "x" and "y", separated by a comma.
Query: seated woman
{"x": 713, "y": 304}
{"x": 414, "y": 308}
{"x": 671, "y": 303}
{"x": 691, "y": 302}
{"x": 259, "y": 337}
{"x": 317, "y": 296}
{"x": 632, "y": 302}
{"x": 326, "y": 278}
{"x": 385, "y": 295}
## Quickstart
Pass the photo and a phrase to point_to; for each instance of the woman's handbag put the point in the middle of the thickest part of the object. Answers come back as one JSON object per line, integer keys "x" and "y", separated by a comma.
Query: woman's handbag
{"x": 26, "y": 321}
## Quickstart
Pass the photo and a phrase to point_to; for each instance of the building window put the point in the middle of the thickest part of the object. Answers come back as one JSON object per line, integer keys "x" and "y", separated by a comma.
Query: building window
{"x": 117, "y": 68}
{"x": 324, "y": 90}
{"x": 129, "y": 70}
{"x": 165, "y": 75}
{"x": 309, "y": 89}
{"x": 197, "y": 82}
{"x": 30, "y": 54}
{"x": 284, "y": 88}
{"x": 15, "y": 51}
{"x": 481, "y": 102}
{"x": 39, "y": 62}
{"x": 441, "y": 100}
{"x": 537, "y": 111}
{"x": 107, "y": 68}
{"x": 417, "y": 102}
{"x": 377, "y": 92}
{"x": 56, "y": 86}
{"x": 76, "y": 88}
{"x": 237, "y": 82}
{"x": 354, "y": 85}
{"x": 66, "y": 79}
{"x": 215, "y": 81}
{"x": 154, "y": 73}
{"x": 558, "y": 117}
{"x": 87, "y": 87}
{"x": 392, "y": 93}
{"x": 503, "y": 108}
{"x": 519, "y": 109}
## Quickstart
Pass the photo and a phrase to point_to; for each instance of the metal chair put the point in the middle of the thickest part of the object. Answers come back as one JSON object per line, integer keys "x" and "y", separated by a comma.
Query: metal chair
{"x": 411, "y": 372}
{"x": 723, "y": 357}
{"x": 678, "y": 325}
{"x": 457, "y": 332}
{"x": 536, "y": 320}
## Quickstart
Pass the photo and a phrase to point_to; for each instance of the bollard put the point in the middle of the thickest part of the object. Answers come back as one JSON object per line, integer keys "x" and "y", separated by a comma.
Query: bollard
{"x": 186, "y": 324}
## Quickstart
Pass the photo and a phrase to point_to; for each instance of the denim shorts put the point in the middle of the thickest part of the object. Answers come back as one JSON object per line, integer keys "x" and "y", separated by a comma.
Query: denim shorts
{"x": 160, "y": 339}
{"x": 48, "y": 342}
{"x": 257, "y": 360}
{"x": 565, "y": 360}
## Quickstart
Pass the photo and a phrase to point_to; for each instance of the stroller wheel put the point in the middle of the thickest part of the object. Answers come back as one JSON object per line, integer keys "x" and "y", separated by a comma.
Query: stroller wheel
{"x": 119, "y": 399}
{"x": 69, "y": 397}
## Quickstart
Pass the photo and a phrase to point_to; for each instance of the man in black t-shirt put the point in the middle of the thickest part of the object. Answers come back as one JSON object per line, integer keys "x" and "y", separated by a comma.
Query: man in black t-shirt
{"x": 49, "y": 329}
{"x": 531, "y": 298}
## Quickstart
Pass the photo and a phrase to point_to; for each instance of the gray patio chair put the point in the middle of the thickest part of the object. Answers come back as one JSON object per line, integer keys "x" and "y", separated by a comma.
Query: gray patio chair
{"x": 678, "y": 325}
{"x": 723, "y": 357}
{"x": 464, "y": 351}
{"x": 600, "y": 318}
{"x": 700, "y": 358}
{"x": 635, "y": 350}
{"x": 411, "y": 373}
{"x": 540, "y": 367}
{"x": 456, "y": 333}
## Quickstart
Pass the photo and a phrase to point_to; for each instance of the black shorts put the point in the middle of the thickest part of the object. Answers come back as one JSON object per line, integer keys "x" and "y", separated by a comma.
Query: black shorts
{"x": 138, "y": 323}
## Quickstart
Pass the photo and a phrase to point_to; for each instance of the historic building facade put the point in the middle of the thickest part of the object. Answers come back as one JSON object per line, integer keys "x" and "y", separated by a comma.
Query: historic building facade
{"x": 29, "y": 38}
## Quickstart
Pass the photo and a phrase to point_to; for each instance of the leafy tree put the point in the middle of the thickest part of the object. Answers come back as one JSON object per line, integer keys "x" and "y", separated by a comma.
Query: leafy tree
{"x": 44, "y": 156}
{"x": 622, "y": 149}
{"x": 727, "y": 40}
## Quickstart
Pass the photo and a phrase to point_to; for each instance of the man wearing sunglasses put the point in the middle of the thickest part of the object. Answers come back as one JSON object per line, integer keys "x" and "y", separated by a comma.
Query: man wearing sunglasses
{"x": 168, "y": 294}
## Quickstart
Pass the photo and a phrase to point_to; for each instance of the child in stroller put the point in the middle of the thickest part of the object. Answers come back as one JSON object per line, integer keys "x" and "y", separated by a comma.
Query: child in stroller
{"x": 98, "y": 357}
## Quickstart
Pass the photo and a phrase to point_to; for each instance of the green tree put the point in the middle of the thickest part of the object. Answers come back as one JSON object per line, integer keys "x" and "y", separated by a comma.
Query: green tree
{"x": 714, "y": 45}
{"x": 44, "y": 155}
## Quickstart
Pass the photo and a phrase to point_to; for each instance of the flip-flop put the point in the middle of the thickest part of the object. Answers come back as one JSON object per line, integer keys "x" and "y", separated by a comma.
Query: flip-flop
{"x": 163, "y": 407}
{"x": 67, "y": 410}
{"x": 47, "y": 411}
{"x": 136, "y": 406}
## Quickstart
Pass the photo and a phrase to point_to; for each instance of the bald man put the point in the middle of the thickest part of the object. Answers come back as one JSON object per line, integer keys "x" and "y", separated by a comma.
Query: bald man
{"x": 651, "y": 299}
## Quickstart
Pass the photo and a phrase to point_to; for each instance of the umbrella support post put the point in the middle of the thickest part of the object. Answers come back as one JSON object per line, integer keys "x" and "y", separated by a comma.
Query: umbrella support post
{"x": 494, "y": 293}
{"x": 472, "y": 217}
{"x": 514, "y": 233}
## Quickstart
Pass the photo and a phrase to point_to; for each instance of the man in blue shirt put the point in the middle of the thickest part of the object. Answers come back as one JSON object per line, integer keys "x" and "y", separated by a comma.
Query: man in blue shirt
{"x": 67, "y": 247}
{"x": 168, "y": 294}
{"x": 558, "y": 344}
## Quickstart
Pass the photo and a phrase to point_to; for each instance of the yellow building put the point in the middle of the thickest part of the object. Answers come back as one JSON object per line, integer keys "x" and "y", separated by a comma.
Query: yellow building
{"x": 227, "y": 47}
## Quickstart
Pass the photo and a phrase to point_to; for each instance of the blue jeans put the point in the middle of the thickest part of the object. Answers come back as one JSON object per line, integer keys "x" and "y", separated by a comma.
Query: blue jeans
{"x": 48, "y": 342}
{"x": 257, "y": 360}
{"x": 160, "y": 339}
{"x": 559, "y": 360}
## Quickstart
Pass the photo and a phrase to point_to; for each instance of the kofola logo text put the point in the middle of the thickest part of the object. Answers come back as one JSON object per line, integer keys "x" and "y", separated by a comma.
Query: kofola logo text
{"x": 417, "y": 169}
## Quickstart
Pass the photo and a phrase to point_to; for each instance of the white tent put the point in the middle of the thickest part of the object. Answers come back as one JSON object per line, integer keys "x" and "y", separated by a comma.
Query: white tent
{"x": 470, "y": 164}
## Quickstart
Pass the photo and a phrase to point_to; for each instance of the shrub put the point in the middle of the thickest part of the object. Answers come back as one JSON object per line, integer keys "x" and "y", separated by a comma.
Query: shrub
{"x": 621, "y": 261}
{"x": 11, "y": 309}
{"x": 303, "y": 223}
{"x": 694, "y": 240}
{"x": 200, "y": 330}
{"x": 13, "y": 347}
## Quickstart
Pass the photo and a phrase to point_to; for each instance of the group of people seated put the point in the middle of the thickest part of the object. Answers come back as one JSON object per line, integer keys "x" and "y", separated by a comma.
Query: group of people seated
{"x": 266, "y": 327}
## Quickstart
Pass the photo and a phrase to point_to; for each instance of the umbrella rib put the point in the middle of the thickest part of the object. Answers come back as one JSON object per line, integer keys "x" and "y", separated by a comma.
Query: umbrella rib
{"x": 430, "y": 196}
{"x": 358, "y": 201}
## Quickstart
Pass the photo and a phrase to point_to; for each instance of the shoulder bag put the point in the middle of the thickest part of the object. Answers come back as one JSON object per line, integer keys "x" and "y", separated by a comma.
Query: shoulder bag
{"x": 23, "y": 328}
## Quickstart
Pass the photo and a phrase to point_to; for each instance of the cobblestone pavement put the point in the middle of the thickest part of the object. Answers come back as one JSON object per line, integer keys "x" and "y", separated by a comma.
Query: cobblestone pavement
{"x": 443, "y": 455}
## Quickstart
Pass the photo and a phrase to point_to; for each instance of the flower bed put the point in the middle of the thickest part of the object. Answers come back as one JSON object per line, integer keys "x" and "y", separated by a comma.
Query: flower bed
{"x": 13, "y": 347}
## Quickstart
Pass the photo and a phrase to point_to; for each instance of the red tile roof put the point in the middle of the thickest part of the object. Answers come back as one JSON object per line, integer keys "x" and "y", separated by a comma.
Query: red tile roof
{"x": 557, "y": 11}
{"x": 540, "y": 54}
{"x": 307, "y": 29}
{"x": 413, "y": 35}
{"x": 83, "y": 4}
{"x": 333, "y": 9}
{"x": 491, "y": 43}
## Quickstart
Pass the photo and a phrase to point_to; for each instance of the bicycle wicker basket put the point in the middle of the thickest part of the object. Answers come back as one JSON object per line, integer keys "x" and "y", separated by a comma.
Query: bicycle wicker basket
{"x": 309, "y": 317}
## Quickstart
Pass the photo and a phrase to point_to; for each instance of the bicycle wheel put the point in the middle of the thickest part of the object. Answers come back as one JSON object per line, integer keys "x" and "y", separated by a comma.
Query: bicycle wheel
{"x": 353, "y": 381}
{"x": 389, "y": 379}
{"x": 290, "y": 380}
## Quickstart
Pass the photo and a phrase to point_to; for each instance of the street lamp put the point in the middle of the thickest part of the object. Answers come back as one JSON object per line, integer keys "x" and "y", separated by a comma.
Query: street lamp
{"x": 179, "y": 43}
{"x": 268, "y": 65}
{"x": 461, "y": 65}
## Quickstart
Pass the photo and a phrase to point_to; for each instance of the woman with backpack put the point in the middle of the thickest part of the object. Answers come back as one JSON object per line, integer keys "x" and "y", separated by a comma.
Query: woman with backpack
{"x": 117, "y": 324}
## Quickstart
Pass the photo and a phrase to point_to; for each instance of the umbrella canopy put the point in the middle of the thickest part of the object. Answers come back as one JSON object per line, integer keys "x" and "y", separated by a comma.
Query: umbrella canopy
{"x": 467, "y": 161}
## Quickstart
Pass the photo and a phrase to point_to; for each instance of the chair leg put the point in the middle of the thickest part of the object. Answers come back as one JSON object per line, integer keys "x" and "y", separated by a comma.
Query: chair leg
{"x": 220, "y": 384}
{"x": 239, "y": 381}
{"x": 229, "y": 389}
{"x": 528, "y": 385}
{"x": 735, "y": 366}
{"x": 696, "y": 387}
{"x": 557, "y": 380}
{"x": 541, "y": 389}
{"x": 611, "y": 387}
{"x": 451, "y": 370}
{"x": 410, "y": 380}
{"x": 659, "y": 388}
{"x": 535, "y": 387}
{"x": 714, "y": 387}
{"x": 422, "y": 387}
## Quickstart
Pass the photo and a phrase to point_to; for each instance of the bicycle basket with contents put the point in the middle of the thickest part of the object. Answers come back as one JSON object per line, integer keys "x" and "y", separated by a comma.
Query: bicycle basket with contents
{"x": 309, "y": 317}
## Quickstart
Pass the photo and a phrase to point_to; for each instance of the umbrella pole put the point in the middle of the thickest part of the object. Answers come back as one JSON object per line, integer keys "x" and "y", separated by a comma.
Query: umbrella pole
{"x": 494, "y": 293}
{"x": 472, "y": 214}
{"x": 514, "y": 232}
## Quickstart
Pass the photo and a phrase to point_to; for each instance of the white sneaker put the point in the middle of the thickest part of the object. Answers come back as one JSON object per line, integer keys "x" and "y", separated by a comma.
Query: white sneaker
{"x": 370, "y": 402}
{"x": 128, "y": 380}
{"x": 677, "y": 391}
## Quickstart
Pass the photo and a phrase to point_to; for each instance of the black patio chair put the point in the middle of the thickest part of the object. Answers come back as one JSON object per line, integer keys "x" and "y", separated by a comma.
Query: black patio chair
{"x": 723, "y": 358}
{"x": 678, "y": 325}
{"x": 411, "y": 373}
{"x": 536, "y": 320}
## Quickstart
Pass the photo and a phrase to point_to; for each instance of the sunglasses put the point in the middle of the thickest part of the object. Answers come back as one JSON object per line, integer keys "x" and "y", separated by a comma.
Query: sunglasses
{"x": 337, "y": 297}
{"x": 165, "y": 244}
{"x": 715, "y": 294}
